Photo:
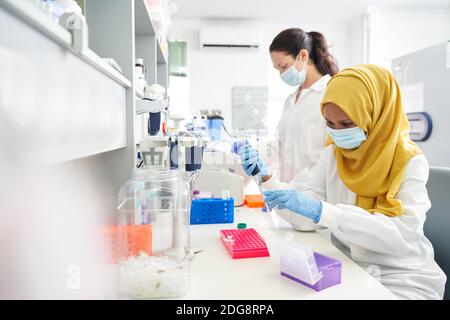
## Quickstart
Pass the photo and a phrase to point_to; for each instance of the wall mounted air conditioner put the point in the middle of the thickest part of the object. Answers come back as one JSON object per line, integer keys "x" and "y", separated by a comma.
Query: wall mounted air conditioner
{"x": 223, "y": 37}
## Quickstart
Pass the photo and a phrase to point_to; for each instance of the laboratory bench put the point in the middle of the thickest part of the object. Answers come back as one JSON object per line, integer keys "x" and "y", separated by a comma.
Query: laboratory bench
{"x": 215, "y": 275}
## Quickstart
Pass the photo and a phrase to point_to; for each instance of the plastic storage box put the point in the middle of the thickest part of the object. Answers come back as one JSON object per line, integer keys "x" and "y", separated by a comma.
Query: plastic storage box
{"x": 212, "y": 210}
{"x": 244, "y": 243}
{"x": 138, "y": 238}
{"x": 304, "y": 266}
{"x": 254, "y": 201}
{"x": 329, "y": 268}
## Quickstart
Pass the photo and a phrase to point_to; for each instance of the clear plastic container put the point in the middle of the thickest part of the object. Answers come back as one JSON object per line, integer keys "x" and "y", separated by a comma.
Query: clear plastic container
{"x": 153, "y": 227}
{"x": 294, "y": 259}
{"x": 302, "y": 265}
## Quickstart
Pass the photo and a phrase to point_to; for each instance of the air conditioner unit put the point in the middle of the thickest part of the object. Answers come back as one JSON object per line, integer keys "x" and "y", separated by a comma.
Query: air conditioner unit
{"x": 221, "y": 37}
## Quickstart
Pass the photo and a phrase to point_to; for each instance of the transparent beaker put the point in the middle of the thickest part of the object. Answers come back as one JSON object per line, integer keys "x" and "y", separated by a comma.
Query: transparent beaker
{"x": 153, "y": 226}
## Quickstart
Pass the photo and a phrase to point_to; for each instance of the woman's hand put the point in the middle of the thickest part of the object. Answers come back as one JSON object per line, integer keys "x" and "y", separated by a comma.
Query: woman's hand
{"x": 294, "y": 201}
{"x": 250, "y": 159}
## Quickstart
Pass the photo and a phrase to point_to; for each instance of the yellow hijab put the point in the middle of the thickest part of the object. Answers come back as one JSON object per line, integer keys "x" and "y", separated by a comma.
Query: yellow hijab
{"x": 370, "y": 97}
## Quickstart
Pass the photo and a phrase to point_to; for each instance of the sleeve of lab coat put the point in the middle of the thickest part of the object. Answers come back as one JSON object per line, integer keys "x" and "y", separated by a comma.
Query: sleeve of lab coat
{"x": 313, "y": 185}
{"x": 378, "y": 232}
{"x": 312, "y": 182}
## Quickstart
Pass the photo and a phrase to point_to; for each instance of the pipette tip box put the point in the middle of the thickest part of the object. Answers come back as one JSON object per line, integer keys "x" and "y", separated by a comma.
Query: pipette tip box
{"x": 244, "y": 243}
{"x": 212, "y": 211}
{"x": 254, "y": 200}
{"x": 138, "y": 239}
{"x": 330, "y": 269}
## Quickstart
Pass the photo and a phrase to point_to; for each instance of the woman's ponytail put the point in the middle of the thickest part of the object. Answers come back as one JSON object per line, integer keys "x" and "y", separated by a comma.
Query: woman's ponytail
{"x": 320, "y": 54}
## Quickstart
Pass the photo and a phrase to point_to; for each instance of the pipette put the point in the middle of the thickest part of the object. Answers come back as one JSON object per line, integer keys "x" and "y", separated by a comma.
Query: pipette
{"x": 257, "y": 173}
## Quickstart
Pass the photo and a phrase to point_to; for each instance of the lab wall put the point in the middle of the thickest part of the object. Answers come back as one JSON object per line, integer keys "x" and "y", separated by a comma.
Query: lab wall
{"x": 395, "y": 33}
{"x": 213, "y": 72}
{"x": 376, "y": 37}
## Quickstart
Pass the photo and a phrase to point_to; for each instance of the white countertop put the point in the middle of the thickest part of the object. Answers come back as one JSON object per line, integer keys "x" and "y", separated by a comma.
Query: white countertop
{"x": 215, "y": 275}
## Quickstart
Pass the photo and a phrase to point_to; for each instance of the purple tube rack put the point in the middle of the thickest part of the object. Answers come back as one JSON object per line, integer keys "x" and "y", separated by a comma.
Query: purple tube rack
{"x": 330, "y": 268}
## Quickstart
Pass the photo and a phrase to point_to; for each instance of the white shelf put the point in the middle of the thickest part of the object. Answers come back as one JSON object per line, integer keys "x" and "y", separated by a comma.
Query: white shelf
{"x": 144, "y": 26}
{"x": 79, "y": 110}
{"x": 139, "y": 94}
{"x": 38, "y": 20}
{"x": 98, "y": 63}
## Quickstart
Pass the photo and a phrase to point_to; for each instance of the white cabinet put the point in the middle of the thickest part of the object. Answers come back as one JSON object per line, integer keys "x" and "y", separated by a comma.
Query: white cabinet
{"x": 67, "y": 124}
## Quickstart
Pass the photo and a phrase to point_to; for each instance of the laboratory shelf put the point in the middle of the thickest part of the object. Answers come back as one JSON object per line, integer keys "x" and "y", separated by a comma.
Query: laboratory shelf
{"x": 94, "y": 60}
{"x": 144, "y": 26}
{"x": 39, "y": 21}
{"x": 139, "y": 94}
{"x": 76, "y": 105}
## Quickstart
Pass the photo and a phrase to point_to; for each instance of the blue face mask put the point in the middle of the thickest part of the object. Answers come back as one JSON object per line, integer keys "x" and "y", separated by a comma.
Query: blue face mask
{"x": 292, "y": 76}
{"x": 350, "y": 138}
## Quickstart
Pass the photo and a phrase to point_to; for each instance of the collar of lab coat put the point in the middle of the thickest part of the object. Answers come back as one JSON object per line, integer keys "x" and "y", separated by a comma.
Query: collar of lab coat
{"x": 318, "y": 86}
{"x": 321, "y": 84}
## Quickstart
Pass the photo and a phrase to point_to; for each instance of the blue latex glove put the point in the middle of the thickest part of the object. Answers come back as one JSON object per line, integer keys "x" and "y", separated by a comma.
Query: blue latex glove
{"x": 250, "y": 159}
{"x": 295, "y": 201}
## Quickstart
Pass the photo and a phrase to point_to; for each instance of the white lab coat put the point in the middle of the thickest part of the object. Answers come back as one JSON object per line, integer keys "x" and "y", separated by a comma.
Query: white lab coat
{"x": 394, "y": 247}
{"x": 301, "y": 132}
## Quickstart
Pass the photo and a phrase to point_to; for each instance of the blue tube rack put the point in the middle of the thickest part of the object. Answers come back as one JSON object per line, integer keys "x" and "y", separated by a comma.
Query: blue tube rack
{"x": 212, "y": 211}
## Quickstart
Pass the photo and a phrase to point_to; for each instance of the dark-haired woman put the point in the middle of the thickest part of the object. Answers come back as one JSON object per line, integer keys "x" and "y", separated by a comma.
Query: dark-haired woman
{"x": 304, "y": 61}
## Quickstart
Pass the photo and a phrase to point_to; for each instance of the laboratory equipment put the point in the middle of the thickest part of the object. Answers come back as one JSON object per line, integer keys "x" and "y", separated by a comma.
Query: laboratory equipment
{"x": 58, "y": 7}
{"x": 140, "y": 74}
{"x": 154, "y": 123}
{"x": 139, "y": 160}
{"x": 244, "y": 243}
{"x": 154, "y": 150}
{"x": 174, "y": 150}
{"x": 199, "y": 123}
{"x": 423, "y": 77}
{"x": 228, "y": 132}
{"x": 154, "y": 92}
{"x": 216, "y": 180}
{"x": 242, "y": 225}
{"x": 153, "y": 228}
{"x": 272, "y": 214}
{"x": 211, "y": 211}
{"x": 420, "y": 126}
{"x": 194, "y": 147}
{"x": 75, "y": 22}
{"x": 138, "y": 239}
{"x": 155, "y": 108}
{"x": 174, "y": 155}
{"x": 176, "y": 118}
{"x": 218, "y": 156}
{"x": 329, "y": 268}
{"x": 214, "y": 124}
{"x": 254, "y": 201}
{"x": 301, "y": 264}
{"x": 202, "y": 194}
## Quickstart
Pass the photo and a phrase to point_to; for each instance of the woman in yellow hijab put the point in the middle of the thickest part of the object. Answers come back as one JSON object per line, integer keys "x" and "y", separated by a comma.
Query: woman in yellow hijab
{"x": 369, "y": 187}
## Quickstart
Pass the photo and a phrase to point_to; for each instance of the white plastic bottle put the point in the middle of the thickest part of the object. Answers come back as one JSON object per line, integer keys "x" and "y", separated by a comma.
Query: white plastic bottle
{"x": 140, "y": 73}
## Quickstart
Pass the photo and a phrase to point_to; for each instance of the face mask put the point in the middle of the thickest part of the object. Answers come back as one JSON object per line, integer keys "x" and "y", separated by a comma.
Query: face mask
{"x": 350, "y": 138}
{"x": 292, "y": 76}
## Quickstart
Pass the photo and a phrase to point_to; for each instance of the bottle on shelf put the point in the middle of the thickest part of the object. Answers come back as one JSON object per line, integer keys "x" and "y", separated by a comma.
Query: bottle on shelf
{"x": 140, "y": 75}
